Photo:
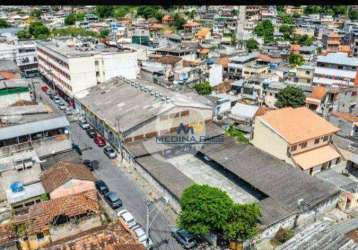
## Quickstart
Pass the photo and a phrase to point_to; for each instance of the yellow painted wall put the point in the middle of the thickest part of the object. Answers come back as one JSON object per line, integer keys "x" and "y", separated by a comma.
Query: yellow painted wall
{"x": 267, "y": 140}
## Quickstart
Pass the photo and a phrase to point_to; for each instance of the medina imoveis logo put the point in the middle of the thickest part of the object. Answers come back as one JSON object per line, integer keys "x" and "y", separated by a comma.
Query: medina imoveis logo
{"x": 184, "y": 129}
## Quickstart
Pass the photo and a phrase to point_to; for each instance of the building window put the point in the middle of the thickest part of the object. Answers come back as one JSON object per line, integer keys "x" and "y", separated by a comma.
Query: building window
{"x": 325, "y": 138}
{"x": 338, "y": 160}
{"x": 316, "y": 141}
{"x": 303, "y": 144}
{"x": 293, "y": 148}
{"x": 40, "y": 236}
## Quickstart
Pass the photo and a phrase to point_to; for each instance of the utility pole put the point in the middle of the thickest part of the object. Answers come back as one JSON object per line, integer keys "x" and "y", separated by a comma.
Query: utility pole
{"x": 147, "y": 222}
{"x": 149, "y": 211}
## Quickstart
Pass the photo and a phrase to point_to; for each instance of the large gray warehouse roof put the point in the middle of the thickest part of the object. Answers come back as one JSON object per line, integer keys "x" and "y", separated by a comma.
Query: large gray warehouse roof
{"x": 165, "y": 174}
{"x": 273, "y": 177}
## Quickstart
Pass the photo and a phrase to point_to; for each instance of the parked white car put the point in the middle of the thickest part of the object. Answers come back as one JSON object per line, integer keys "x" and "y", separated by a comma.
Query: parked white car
{"x": 127, "y": 217}
{"x": 62, "y": 106}
{"x": 142, "y": 236}
{"x": 57, "y": 100}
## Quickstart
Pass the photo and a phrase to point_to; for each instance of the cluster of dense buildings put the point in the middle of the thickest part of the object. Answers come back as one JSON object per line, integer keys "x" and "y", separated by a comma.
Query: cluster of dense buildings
{"x": 135, "y": 88}
{"x": 47, "y": 196}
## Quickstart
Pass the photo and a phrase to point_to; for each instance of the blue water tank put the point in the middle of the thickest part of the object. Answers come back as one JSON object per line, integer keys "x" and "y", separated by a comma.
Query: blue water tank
{"x": 273, "y": 66}
{"x": 210, "y": 61}
{"x": 17, "y": 187}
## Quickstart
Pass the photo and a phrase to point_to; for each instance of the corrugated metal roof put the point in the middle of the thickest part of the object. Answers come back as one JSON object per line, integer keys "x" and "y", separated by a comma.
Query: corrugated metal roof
{"x": 338, "y": 58}
{"x": 33, "y": 127}
{"x": 335, "y": 72}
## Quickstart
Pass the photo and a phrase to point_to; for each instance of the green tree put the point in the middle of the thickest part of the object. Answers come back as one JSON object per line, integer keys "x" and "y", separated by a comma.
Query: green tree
{"x": 74, "y": 31}
{"x": 251, "y": 44}
{"x": 290, "y": 96}
{"x": 104, "y": 11}
{"x": 4, "y": 23}
{"x": 284, "y": 235}
{"x": 80, "y": 16}
{"x": 121, "y": 11}
{"x": 70, "y": 19}
{"x": 179, "y": 21}
{"x": 237, "y": 134}
{"x": 327, "y": 10}
{"x": 23, "y": 35}
{"x": 242, "y": 222}
{"x": 104, "y": 33}
{"x": 191, "y": 14}
{"x": 280, "y": 8}
{"x": 203, "y": 88}
{"x": 296, "y": 60}
{"x": 149, "y": 12}
{"x": 204, "y": 209}
{"x": 286, "y": 30}
{"x": 233, "y": 38}
{"x": 38, "y": 30}
{"x": 287, "y": 19}
{"x": 265, "y": 29}
{"x": 353, "y": 14}
{"x": 36, "y": 13}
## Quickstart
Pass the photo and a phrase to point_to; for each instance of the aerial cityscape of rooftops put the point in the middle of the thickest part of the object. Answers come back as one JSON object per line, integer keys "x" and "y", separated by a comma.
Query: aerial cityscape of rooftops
{"x": 179, "y": 127}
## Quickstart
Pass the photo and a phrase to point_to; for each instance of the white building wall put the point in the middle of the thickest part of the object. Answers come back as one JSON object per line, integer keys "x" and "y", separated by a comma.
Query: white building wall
{"x": 120, "y": 64}
{"x": 7, "y": 51}
{"x": 82, "y": 73}
{"x": 271, "y": 231}
{"x": 215, "y": 75}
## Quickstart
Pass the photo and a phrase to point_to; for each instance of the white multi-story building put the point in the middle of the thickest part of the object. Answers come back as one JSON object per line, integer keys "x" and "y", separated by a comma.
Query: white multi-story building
{"x": 26, "y": 58}
{"x": 335, "y": 69}
{"x": 76, "y": 67}
{"x": 23, "y": 53}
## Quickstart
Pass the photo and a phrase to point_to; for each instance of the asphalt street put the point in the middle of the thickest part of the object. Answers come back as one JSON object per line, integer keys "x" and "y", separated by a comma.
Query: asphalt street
{"x": 134, "y": 199}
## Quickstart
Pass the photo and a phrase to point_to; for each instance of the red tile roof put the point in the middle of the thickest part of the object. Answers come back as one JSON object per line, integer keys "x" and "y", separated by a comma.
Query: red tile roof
{"x": 62, "y": 172}
{"x": 7, "y": 234}
{"x": 7, "y": 75}
{"x": 298, "y": 124}
{"x": 318, "y": 92}
{"x": 112, "y": 237}
{"x": 41, "y": 215}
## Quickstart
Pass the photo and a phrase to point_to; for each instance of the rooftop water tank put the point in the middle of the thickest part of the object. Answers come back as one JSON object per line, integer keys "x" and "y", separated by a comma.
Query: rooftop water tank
{"x": 17, "y": 187}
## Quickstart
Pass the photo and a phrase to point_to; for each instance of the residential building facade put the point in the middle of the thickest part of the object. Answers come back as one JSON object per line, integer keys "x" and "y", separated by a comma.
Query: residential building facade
{"x": 299, "y": 137}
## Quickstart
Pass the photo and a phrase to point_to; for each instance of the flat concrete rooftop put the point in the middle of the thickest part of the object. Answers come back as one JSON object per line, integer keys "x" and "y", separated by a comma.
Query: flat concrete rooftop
{"x": 202, "y": 173}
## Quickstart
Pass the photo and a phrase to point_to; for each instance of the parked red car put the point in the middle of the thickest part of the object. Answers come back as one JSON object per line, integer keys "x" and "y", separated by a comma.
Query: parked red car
{"x": 44, "y": 88}
{"x": 99, "y": 140}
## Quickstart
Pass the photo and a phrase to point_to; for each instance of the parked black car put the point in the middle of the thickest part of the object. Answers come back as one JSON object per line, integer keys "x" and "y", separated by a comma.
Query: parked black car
{"x": 184, "y": 237}
{"x": 92, "y": 165}
{"x": 91, "y": 132}
{"x": 113, "y": 200}
{"x": 102, "y": 187}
